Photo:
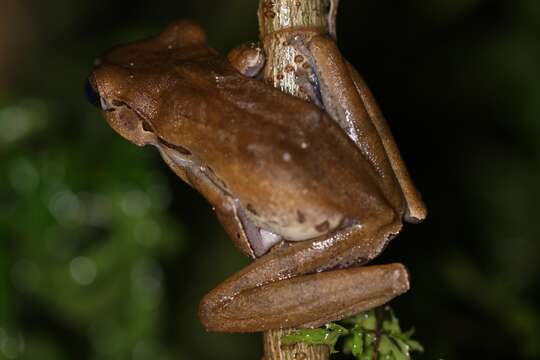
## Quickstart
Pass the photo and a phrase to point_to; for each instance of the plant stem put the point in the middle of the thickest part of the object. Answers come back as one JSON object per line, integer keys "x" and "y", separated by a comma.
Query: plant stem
{"x": 279, "y": 22}
{"x": 274, "y": 350}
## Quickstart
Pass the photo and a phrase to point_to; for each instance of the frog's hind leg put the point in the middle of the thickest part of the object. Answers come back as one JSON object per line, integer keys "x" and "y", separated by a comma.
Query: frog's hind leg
{"x": 289, "y": 286}
{"x": 348, "y": 100}
{"x": 416, "y": 209}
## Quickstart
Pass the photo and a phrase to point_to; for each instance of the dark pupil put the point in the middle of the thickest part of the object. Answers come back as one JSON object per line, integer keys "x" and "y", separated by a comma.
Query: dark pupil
{"x": 91, "y": 94}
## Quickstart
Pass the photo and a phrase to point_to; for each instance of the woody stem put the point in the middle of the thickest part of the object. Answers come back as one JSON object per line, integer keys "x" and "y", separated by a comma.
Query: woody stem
{"x": 279, "y": 22}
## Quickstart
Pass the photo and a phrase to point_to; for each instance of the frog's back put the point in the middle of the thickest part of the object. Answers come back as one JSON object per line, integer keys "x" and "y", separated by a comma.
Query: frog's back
{"x": 269, "y": 148}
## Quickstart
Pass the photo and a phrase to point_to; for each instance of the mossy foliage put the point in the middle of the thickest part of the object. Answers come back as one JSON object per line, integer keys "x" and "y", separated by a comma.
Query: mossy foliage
{"x": 376, "y": 332}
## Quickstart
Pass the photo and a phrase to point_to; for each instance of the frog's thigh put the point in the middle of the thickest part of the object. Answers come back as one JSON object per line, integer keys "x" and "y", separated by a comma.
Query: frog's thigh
{"x": 312, "y": 300}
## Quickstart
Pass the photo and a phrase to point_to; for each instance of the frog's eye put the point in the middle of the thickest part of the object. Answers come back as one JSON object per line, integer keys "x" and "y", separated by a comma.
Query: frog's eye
{"x": 91, "y": 94}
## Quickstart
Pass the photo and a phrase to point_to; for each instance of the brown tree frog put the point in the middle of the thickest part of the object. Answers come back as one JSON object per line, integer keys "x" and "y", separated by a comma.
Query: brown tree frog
{"x": 310, "y": 194}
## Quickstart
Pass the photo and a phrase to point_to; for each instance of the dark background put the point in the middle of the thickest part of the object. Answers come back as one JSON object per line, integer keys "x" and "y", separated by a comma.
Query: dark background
{"x": 104, "y": 254}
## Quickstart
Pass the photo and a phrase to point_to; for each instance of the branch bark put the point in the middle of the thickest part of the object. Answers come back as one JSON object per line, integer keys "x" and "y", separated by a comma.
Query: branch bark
{"x": 279, "y": 22}
{"x": 274, "y": 350}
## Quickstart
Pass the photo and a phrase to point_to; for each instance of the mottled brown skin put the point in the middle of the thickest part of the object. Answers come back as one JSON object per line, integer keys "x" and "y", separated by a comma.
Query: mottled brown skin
{"x": 268, "y": 163}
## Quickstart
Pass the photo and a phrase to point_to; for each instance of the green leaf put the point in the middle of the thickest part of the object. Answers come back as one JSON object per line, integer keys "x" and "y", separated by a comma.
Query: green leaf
{"x": 415, "y": 345}
{"x": 391, "y": 324}
{"x": 389, "y": 347}
{"x": 354, "y": 344}
{"x": 366, "y": 320}
{"x": 327, "y": 336}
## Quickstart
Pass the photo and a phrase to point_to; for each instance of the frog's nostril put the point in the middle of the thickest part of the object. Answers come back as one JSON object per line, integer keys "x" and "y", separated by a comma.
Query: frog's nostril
{"x": 92, "y": 95}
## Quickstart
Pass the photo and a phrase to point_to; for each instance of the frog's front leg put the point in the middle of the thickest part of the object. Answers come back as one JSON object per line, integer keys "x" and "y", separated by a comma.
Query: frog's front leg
{"x": 294, "y": 285}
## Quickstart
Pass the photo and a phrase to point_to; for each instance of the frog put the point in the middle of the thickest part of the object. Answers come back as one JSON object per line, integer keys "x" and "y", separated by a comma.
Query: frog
{"x": 313, "y": 193}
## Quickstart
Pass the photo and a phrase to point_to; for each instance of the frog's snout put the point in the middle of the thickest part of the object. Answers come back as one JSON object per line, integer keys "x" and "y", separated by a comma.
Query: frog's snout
{"x": 94, "y": 97}
{"x": 120, "y": 116}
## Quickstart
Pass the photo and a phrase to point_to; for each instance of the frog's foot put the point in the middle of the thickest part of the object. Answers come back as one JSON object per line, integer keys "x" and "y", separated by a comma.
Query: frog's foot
{"x": 306, "y": 78}
{"x": 308, "y": 84}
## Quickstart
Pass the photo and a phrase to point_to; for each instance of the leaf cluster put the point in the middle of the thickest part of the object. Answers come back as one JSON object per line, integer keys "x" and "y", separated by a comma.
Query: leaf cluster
{"x": 375, "y": 334}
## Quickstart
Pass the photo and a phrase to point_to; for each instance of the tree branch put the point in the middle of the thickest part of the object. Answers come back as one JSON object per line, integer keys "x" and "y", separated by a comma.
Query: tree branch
{"x": 274, "y": 350}
{"x": 279, "y": 22}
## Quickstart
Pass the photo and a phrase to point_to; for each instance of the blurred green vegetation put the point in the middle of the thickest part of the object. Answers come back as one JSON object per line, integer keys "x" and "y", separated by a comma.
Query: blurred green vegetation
{"x": 104, "y": 254}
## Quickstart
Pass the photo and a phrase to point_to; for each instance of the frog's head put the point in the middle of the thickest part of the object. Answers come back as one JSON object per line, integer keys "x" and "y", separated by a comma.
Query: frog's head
{"x": 127, "y": 80}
